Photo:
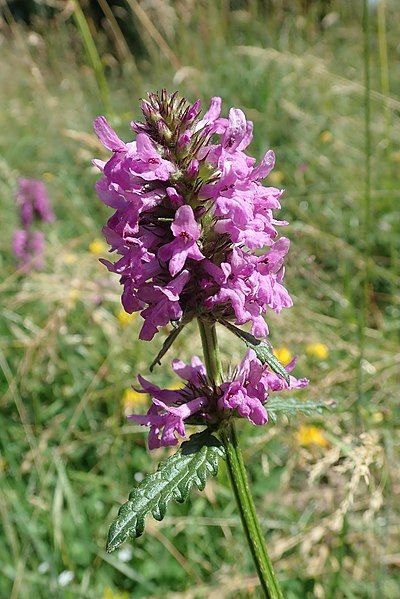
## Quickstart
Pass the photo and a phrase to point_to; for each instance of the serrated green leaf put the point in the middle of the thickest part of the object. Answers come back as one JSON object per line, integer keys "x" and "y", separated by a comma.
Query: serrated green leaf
{"x": 194, "y": 461}
{"x": 265, "y": 355}
{"x": 290, "y": 406}
{"x": 263, "y": 349}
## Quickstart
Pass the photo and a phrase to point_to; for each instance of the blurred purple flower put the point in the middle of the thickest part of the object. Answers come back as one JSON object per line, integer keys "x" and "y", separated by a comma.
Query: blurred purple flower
{"x": 33, "y": 201}
{"x": 34, "y": 205}
{"x": 28, "y": 248}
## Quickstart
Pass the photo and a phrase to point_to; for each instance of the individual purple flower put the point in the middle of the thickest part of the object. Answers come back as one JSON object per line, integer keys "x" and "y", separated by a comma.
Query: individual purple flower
{"x": 277, "y": 383}
{"x": 248, "y": 393}
{"x": 107, "y": 135}
{"x": 166, "y": 422}
{"x": 19, "y": 244}
{"x": 193, "y": 373}
{"x": 147, "y": 162}
{"x": 209, "y": 122}
{"x": 186, "y": 232}
{"x": 169, "y": 410}
{"x": 245, "y": 396}
{"x": 163, "y": 304}
{"x": 235, "y": 397}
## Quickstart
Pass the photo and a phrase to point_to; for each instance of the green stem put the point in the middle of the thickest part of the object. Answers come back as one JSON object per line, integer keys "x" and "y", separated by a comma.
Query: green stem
{"x": 92, "y": 53}
{"x": 237, "y": 473}
{"x": 366, "y": 224}
{"x": 211, "y": 350}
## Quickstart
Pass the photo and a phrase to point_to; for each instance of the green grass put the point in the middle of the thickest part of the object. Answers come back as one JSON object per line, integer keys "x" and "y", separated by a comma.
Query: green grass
{"x": 68, "y": 456}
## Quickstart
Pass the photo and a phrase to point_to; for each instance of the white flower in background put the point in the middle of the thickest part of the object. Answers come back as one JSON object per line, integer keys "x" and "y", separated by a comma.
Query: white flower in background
{"x": 124, "y": 555}
{"x": 65, "y": 578}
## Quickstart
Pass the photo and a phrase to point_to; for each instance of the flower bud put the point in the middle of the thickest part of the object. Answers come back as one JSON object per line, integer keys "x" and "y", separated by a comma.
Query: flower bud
{"x": 193, "y": 169}
{"x": 184, "y": 139}
{"x": 176, "y": 199}
{"x": 163, "y": 130}
{"x": 192, "y": 112}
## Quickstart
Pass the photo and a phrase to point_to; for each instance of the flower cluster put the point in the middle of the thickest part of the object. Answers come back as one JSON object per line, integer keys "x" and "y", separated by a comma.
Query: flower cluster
{"x": 191, "y": 216}
{"x": 198, "y": 402}
{"x": 34, "y": 205}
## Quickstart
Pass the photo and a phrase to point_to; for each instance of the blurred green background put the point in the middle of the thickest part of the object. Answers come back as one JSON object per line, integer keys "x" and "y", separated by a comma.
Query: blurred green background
{"x": 325, "y": 487}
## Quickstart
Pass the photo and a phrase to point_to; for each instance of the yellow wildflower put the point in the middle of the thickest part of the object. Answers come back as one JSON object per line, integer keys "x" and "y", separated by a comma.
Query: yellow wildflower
{"x": 276, "y": 177}
{"x": 73, "y": 296}
{"x": 97, "y": 247}
{"x": 377, "y": 417}
{"x": 110, "y": 594}
{"x": 124, "y": 318}
{"x": 326, "y": 137}
{"x": 395, "y": 156}
{"x": 48, "y": 176}
{"x": 69, "y": 258}
{"x": 131, "y": 399}
{"x": 311, "y": 435}
{"x": 283, "y": 354}
{"x": 317, "y": 350}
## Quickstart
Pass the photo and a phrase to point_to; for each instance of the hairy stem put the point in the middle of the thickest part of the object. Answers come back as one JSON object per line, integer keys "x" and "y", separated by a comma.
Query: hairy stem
{"x": 237, "y": 474}
{"x": 210, "y": 350}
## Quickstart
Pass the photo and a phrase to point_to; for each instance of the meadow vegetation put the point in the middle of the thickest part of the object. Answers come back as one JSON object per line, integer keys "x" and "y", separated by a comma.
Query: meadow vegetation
{"x": 325, "y": 486}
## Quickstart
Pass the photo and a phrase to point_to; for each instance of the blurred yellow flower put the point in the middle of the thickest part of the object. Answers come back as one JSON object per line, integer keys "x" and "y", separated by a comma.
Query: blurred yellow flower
{"x": 48, "y": 176}
{"x": 283, "y": 354}
{"x": 395, "y": 156}
{"x": 131, "y": 399}
{"x": 311, "y": 435}
{"x": 124, "y": 318}
{"x": 377, "y": 417}
{"x": 110, "y": 594}
{"x": 97, "y": 247}
{"x": 69, "y": 258}
{"x": 73, "y": 296}
{"x": 276, "y": 177}
{"x": 326, "y": 137}
{"x": 317, "y": 350}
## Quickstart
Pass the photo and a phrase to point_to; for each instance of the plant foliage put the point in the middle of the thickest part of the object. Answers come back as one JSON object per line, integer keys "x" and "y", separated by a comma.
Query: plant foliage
{"x": 196, "y": 459}
{"x": 290, "y": 406}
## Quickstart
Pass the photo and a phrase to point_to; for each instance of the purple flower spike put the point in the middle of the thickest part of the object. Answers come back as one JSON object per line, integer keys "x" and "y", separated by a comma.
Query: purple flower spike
{"x": 187, "y": 196}
{"x": 34, "y": 206}
{"x": 28, "y": 248}
{"x": 33, "y": 201}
